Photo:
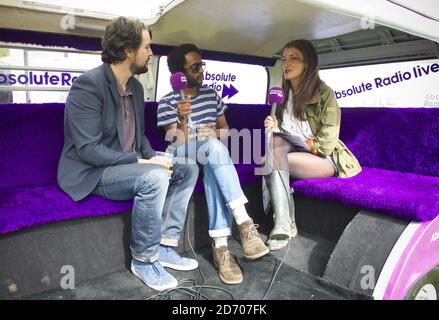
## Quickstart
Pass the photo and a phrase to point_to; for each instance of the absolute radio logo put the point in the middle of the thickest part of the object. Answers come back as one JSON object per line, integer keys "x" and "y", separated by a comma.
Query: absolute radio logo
{"x": 381, "y": 82}
{"x": 38, "y": 79}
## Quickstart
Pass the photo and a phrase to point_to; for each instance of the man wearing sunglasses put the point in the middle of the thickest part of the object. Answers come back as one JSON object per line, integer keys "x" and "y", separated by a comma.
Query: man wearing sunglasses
{"x": 224, "y": 196}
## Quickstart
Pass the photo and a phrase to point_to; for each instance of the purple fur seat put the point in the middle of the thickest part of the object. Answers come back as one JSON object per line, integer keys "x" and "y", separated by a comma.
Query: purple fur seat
{"x": 27, "y": 206}
{"x": 399, "y": 152}
{"x": 30, "y": 145}
{"x": 403, "y": 195}
{"x": 397, "y": 148}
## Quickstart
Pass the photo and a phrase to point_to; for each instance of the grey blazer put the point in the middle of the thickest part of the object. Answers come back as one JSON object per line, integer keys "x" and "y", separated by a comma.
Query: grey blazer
{"x": 92, "y": 133}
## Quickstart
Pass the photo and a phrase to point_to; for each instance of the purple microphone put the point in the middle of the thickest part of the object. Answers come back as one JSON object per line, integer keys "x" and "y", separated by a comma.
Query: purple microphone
{"x": 179, "y": 83}
{"x": 275, "y": 97}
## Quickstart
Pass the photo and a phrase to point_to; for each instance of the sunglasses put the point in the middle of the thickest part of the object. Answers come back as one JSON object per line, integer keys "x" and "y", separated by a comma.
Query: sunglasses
{"x": 196, "y": 67}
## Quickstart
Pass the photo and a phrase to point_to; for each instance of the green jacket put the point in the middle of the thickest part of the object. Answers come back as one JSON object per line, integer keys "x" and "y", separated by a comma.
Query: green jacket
{"x": 323, "y": 114}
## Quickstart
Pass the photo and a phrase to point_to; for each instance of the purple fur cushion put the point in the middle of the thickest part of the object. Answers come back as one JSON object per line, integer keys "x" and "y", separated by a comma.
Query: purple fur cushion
{"x": 404, "y": 195}
{"x": 399, "y": 139}
{"x": 30, "y": 144}
{"x": 388, "y": 139}
{"x": 31, "y": 140}
{"x": 27, "y": 206}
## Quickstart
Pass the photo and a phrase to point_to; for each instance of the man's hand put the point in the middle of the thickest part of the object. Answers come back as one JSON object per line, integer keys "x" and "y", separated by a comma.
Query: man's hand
{"x": 154, "y": 160}
{"x": 207, "y": 131}
{"x": 184, "y": 108}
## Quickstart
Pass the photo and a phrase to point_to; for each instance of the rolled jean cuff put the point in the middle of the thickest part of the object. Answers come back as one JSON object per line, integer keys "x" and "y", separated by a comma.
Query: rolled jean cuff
{"x": 168, "y": 241}
{"x": 143, "y": 258}
{"x": 237, "y": 202}
{"x": 220, "y": 233}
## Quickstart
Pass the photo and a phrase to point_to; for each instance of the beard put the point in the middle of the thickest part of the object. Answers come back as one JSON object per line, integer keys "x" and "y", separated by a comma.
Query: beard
{"x": 138, "y": 69}
{"x": 193, "y": 82}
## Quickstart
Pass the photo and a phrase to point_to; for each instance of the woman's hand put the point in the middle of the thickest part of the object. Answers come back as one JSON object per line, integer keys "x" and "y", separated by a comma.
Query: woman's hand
{"x": 310, "y": 144}
{"x": 270, "y": 123}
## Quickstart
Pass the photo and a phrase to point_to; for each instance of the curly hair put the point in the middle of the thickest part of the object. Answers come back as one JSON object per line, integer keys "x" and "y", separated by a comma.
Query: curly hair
{"x": 121, "y": 34}
{"x": 176, "y": 59}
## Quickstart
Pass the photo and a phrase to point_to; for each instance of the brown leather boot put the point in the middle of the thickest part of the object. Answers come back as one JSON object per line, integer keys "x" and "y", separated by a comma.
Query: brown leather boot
{"x": 251, "y": 242}
{"x": 228, "y": 270}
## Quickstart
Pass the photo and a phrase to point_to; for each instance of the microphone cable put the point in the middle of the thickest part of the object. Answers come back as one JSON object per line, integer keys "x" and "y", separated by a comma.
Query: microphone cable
{"x": 188, "y": 287}
{"x": 287, "y": 191}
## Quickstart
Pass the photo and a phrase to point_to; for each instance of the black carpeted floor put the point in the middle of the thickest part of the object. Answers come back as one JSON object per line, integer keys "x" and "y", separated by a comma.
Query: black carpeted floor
{"x": 298, "y": 278}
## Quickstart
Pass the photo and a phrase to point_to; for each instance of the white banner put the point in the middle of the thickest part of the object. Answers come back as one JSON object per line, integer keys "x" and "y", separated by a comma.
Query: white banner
{"x": 403, "y": 84}
{"x": 234, "y": 82}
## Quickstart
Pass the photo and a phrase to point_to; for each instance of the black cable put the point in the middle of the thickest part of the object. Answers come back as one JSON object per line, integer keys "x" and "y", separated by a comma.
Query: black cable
{"x": 289, "y": 242}
{"x": 193, "y": 291}
{"x": 276, "y": 272}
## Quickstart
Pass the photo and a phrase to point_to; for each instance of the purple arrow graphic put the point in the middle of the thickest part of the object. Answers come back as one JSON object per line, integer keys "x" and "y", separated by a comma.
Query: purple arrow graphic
{"x": 229, "y": 91}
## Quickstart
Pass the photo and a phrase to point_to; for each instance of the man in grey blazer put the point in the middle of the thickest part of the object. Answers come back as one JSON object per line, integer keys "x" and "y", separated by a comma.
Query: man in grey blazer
{"x": 106, "y": 153}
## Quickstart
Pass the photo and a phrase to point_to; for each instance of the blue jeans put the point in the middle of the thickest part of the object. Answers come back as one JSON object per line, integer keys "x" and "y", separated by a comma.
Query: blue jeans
{"x": 160, "y": 202}
{"x": 221, "y": 182}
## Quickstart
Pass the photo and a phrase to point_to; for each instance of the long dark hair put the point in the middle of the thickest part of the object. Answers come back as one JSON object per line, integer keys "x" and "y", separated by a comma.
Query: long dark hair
{"x": 309, "y": 81}
{"x": 122, "y": 33}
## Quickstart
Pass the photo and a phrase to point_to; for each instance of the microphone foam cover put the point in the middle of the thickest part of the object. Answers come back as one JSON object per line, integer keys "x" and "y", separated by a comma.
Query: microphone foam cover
{"x": 178, "y": 81}
{"x": 276, "y": 95}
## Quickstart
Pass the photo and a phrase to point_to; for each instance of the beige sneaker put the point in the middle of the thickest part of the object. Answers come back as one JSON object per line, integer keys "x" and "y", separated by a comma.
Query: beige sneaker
{"x": 251, "y": 242}
{"x": 228, "y": 270}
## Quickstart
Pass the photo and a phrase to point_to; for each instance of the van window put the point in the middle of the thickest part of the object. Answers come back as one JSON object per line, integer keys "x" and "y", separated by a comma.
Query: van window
{"x": 410, "y": 84}
{"x": 29, "y": 75}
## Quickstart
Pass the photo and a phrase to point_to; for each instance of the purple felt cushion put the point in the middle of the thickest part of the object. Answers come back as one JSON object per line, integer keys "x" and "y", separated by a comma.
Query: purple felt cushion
{"x": 390, "y": 140}
{"x": 31, "y": 140}
{"x": 404, "y": 195}
{"x": 399, "y": 139}
{"x": 31, "y": 143}
{"x": 28, "y": 206}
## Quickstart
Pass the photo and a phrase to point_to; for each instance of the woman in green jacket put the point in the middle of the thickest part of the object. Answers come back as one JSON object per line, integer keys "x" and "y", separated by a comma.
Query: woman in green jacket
{"x": 305, "y": 140}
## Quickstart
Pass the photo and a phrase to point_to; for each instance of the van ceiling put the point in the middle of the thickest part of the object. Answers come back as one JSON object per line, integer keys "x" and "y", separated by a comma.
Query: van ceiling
{"x": 255, "y": 27}
{"x": 372, "y": 46}
{"x": 259, "y": 27}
